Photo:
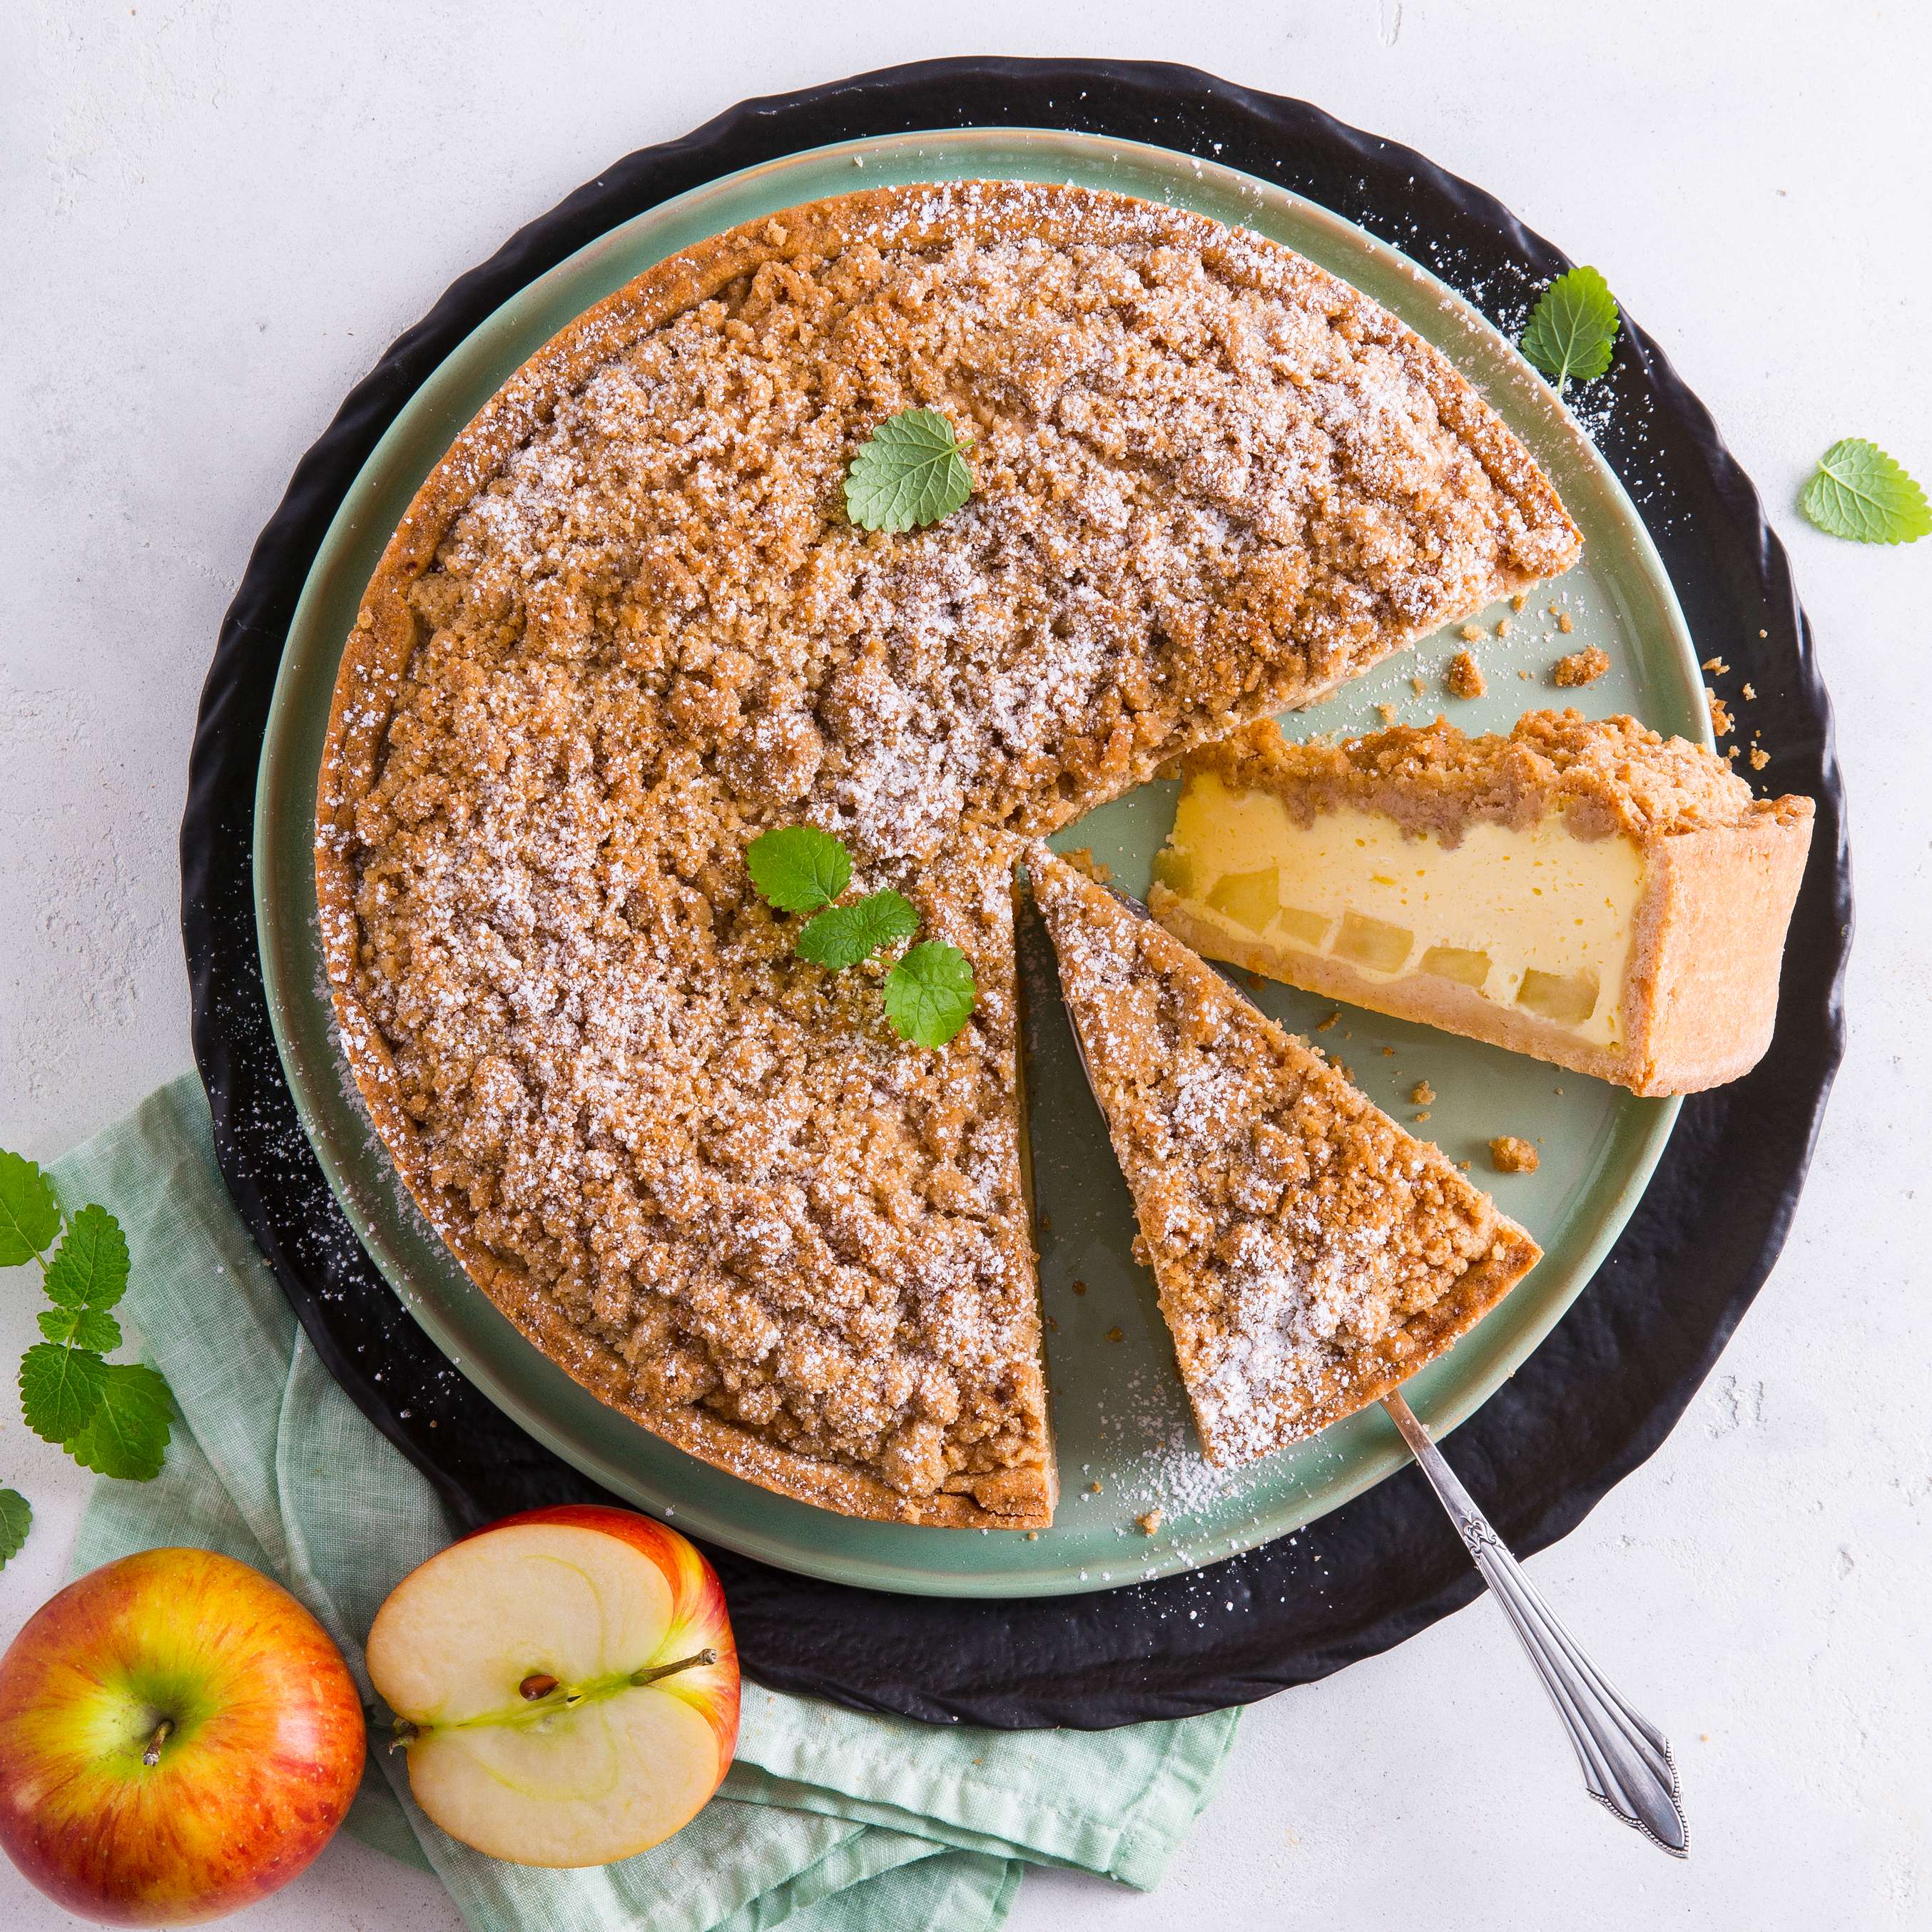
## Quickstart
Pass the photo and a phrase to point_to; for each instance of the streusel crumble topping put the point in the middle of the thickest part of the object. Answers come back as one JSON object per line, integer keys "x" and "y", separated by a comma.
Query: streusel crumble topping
{"x": 1309, "y": 1253}
{"x": 626, "y": 626}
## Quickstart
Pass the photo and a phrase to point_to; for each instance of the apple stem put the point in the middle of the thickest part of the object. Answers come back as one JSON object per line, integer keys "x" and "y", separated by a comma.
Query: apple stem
{"x": 651, "y": 1676}
{"x": 163, "y": 1731}
{"x": 401, "y": 1732}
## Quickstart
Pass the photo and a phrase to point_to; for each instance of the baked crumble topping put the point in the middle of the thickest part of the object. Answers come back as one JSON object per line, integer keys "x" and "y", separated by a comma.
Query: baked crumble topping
{"x": 1309, "y": 1252}
{"x": 1510, "y": 1153}
{"x": 1606, "y": 774}
{"x": 625, "y": 627}
{"x": 1581, "y": 667}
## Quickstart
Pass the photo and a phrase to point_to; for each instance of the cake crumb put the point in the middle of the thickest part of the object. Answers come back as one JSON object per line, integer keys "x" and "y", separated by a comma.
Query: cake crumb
{"x": 1582, "y": 667}
{"x": 1053, "y": 1324}
{"x": 1510, "y": 1154}
{"x": 1464, "y": 677}
{"x": 1759, "y": 757}
{"x": 1565, "y": 622}
{"x": 1417, "y": 684}
{"x": 1322, "y": 1026}
{"x": 1732, "y": 753}
{"x": 1718, "y": 665}
{"x": 1116, "y": 1335}
{"x": 1079, "y": 1288}
{"x": 1516, "y": 602}
{"x": 1502, "y": 627}
{"x": 1526, "y": 675}
{"x": 1092, "y": 1489}
{"x": 1470, "y": 634}
{"x": 1388, "y": 1053}
{"x": 1032, "y": 1536}
{"x": 1722, "y": 722}
{"x": 1386, "y": 712}
{"x": 1751, "y": 694}
{"x": 1422, "y": 1094}
{"x": 1148, "y": 1521}
{"x": 1764, "y": 634}
{"x": 1423, "y": 1115}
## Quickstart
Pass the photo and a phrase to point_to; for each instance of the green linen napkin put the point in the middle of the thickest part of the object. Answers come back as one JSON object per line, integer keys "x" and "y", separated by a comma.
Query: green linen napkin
{"x": 828, "y": 1820}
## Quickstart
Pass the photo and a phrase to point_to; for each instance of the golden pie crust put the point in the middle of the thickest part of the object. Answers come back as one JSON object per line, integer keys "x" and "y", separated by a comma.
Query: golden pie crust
{"x": 625, "y": 625}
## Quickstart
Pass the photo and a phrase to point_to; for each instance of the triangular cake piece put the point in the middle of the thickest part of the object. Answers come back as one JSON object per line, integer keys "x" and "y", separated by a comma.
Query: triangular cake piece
{"x": 1309, "y": 1254}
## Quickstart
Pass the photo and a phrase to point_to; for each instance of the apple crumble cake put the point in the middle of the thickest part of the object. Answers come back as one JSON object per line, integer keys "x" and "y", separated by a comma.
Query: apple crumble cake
{"x": 626, "y": 626}
{"x": 1582, "y": 889}
{"x": 1309, "y": 1254}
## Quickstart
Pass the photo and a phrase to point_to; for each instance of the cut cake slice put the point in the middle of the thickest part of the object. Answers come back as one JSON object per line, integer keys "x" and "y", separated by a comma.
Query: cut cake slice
{"x": 1309, "y": 1254}
{"x": 1582, "y": 889}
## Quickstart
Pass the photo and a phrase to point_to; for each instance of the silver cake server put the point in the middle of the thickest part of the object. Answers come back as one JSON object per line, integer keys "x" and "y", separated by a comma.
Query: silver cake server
{"x": 1627, "y": 1761}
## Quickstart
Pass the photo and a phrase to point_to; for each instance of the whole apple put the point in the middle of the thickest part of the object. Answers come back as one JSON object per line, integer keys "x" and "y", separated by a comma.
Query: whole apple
{"x": 178, "y": 1738}
{"x": 566, "y": 1682}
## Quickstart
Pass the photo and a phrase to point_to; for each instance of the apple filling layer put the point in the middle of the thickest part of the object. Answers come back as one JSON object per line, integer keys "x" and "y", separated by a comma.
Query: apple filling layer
{"x": 1532, "y": 918}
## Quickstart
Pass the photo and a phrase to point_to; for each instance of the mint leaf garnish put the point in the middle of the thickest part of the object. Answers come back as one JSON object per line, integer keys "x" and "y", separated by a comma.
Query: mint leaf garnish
{"x": 910, "y": 470}
{"x": 59, "y": 1388}
{"x": 929, "y": 993}
{"x": 109, "y": 1416}
{"x": 798, "y": 869}
{"x": 127, "y": 1434}
{"x": 29, "y": 1214}
{"x": 1861, "y": 493}
{"x": 81, "y": 1328}
{"x": 844, "y": 935}
{"x": 90, "y": 1269}
{"x": 1572, "y": 327}
{"x": 15, "y": 1513}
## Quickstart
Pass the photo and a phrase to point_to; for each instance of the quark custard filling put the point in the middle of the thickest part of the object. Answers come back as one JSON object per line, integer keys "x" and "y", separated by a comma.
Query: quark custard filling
{"x": 1533, "y": 917}
{"x": 1582, "y": 889}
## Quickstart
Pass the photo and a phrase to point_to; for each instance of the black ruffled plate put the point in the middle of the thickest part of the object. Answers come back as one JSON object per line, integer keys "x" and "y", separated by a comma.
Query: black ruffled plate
{"x": 1595, "y": 1399}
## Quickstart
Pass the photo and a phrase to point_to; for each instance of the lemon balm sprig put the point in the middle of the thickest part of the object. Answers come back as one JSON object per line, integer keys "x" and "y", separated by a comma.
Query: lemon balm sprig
{"x": 929, "y": 992}
{"x": 112, "y": 1417}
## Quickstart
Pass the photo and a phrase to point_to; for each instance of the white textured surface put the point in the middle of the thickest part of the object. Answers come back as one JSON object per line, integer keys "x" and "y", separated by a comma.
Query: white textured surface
{"x": 217, "y": 216}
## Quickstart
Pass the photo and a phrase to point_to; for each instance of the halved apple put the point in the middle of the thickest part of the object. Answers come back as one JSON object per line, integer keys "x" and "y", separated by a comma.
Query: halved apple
{"x": 565, "y": 1684}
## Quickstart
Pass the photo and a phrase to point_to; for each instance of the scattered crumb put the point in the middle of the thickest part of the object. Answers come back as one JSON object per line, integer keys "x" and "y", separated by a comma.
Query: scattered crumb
{"x": 1722, "y": 722}
{"x": 1759, "y": 757}
{"x": 1510, "y": 1155}
{"x": 1322, "y": 1026}
{"x": 1524, "y": 675}
{"x": 1423, "y": 1115}
{"x": 1502, "y": 627}
{"x": 1583, "y": 667}
{"x": 1418, "y": 685}
{"x": 1519, "y": 601}
{"x": 1718, "y": 665}
{"x": 1092, "y": 1489}
{"x": 1148, "y": 1521}
{"x": 1116, "y": 1335}
{"x": 1732, "y": 753}
{"x": 1764, "y": 634}
{"x": 1556, "y": 1090}
{"x": 1470, "y": 634}
{"x": 1053, "y": 1324}
{"x": 1554, "y": 610}
{"x": 1463, "y": 1165}
{"x": 1464, "y": 677}
{"x": 1565, "y": 622}
{"x": 1422, "y": 1094}
{"x": 1751, "y": 694}
{"x": 1386, "y": 712}
{"x": 1032, "y": 1536}
{"x": 1388, "y": 1053}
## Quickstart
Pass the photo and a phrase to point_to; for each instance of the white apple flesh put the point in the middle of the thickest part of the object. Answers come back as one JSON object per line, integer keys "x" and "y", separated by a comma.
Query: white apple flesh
{"x": 566, "y": 1684}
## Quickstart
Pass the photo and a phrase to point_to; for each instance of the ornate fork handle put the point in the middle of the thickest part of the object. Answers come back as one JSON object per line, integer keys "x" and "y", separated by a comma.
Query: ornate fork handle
{"x": 1627, "y": 1767}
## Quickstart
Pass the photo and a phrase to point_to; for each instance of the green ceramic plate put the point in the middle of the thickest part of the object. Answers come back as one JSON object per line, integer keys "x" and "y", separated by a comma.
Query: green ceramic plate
{"x": 1125, "y": 1444}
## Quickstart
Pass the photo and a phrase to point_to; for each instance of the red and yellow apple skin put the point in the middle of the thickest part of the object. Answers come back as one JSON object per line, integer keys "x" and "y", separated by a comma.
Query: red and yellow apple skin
{"x": 235, "y": 1691}
{"x": 566, "y": 1682}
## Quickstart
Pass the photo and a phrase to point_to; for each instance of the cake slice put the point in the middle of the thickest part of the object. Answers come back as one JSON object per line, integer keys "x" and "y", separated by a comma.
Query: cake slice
{"x": 1582, "y": 889}
{"x": 1309, "y": 1254}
